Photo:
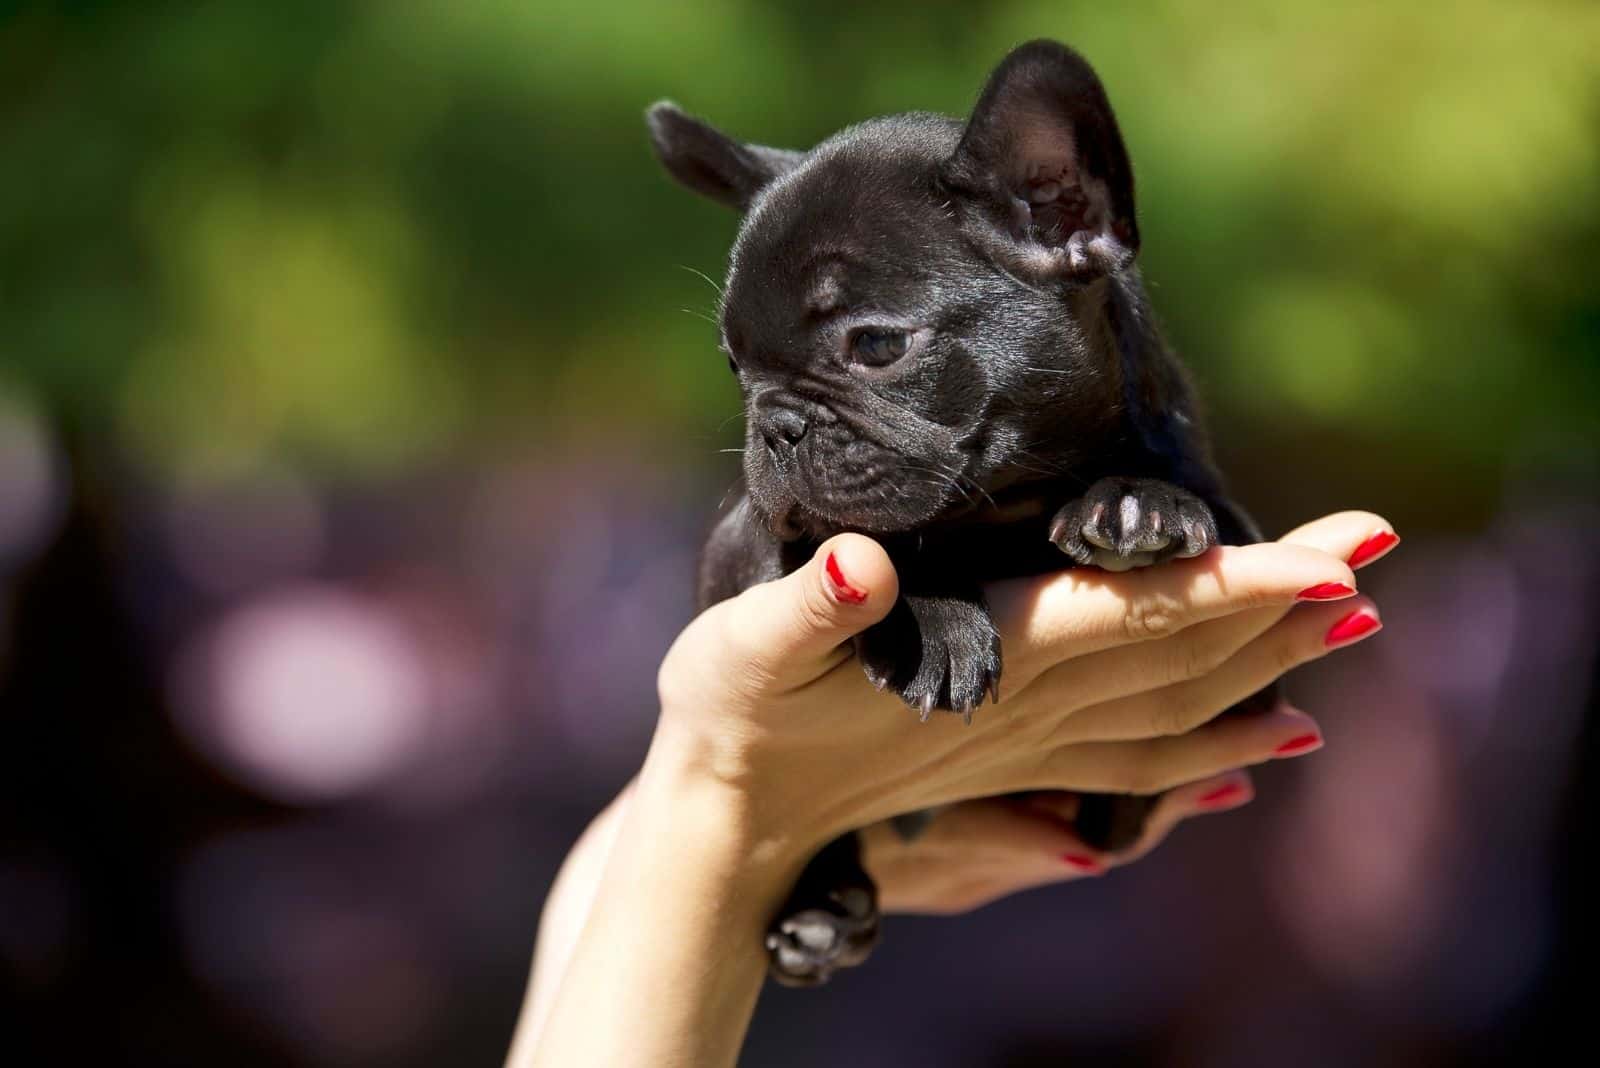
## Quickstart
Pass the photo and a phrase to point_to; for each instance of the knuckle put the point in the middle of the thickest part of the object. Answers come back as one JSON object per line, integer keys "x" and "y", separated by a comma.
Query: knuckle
{"x": 1257, "y": 596}
{"x": 1171, "y": 716}
{"x": 1047, "y": 770}
{"x": 1150, "y": 617}
{"x": 746, "y": 664}
{"x": 736, "y": 641}
{"x": 677, "y": 675}
{"x": 811, "y": 611}
{"x": 1045, "y": 731}
{"x": 1194, "y": 659}
{"x": 1289, "y": 654}
{"x": 670, "y": 690}
{"x": 1163, "y": 721}
{"x": 1138, "y": 775}
{"x": 1058, "y": 735}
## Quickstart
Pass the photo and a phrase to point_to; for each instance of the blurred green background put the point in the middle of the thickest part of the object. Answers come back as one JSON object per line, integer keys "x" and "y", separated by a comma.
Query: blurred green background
{"x": 365, "y": 235}
{"x": 360, "y": 416}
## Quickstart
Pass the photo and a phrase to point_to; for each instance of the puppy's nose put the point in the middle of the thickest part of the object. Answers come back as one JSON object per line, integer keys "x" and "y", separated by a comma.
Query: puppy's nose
{"x": 783, "y": 428}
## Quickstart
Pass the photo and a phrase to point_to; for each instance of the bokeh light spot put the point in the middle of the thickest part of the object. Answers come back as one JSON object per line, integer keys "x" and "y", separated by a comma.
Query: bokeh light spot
{"x": 32, "y": 481}
{"x": 307, "y": 695}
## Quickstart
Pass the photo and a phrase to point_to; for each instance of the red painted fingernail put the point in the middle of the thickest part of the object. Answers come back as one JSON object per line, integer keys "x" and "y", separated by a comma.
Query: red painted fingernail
{"x": 1353, "y": 627}
{"x": 1083, "y": 863}
{"x": 841, "y": 588}
{"x": 1325, "y": 591}
{"x": 1222, "y": 795}
{"x": 1373, "y": 547}
{"x": 1302, "y": 744}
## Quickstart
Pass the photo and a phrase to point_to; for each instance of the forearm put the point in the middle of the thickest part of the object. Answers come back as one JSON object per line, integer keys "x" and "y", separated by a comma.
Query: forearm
{"x": 670, "y": 962}
{"x": 566, "y": 911}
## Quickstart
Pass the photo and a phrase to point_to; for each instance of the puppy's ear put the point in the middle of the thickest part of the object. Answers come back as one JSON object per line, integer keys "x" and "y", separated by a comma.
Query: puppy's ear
{"x": 1042, "y": 161}
{"x": 708, "y": 161}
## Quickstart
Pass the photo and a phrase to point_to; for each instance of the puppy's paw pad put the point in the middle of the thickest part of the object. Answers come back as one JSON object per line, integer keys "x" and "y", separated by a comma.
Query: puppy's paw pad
{"x": 807, "y": 946}
{"x": 1123, "y": 523}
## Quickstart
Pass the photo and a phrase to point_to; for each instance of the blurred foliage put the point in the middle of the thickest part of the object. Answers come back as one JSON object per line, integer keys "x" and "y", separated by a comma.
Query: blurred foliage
{"x": 364, "y": 236}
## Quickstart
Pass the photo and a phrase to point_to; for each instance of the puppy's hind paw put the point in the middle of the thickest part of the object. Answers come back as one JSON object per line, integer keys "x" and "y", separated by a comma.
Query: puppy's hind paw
{"x": 806, "y": 947}
{"x": 1123, "y": 523}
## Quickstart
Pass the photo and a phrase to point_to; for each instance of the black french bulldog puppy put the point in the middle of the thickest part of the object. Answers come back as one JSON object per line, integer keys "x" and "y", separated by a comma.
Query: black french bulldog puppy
{"x": 944, "y": 343}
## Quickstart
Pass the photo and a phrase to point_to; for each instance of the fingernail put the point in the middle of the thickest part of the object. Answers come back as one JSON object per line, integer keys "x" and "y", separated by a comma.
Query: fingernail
{"x": 1223, "y": 795}
{"x": 1304, "y": 743}
{"x": 1083, "y": 862}
{"x": 1373, "y": 547}
{"x": 1325, "y": 591}
{"x": 841, "y": 587}
{"x": 1353, "y": 627}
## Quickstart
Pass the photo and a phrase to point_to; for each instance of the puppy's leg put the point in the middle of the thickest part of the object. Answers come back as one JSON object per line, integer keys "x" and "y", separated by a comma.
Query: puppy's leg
{"x": 830, "y": 920}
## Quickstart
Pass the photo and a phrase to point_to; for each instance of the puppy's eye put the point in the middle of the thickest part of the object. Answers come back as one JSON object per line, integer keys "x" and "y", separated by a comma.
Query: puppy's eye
{"x": 879, "y": 348}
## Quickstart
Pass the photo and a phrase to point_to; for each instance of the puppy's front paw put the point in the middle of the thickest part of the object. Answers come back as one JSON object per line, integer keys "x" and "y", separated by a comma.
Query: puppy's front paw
{"x": 1123, "y": 523}
{"x": 935, "y": 652}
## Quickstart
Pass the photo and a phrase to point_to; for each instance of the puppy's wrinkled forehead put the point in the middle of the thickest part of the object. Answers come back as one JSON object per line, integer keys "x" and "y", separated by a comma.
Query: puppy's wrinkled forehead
{"x": 852, "y": 227}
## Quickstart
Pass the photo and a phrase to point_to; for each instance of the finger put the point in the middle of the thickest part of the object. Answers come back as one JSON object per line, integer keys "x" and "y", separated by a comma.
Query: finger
{"x": 788, "y": 630}
{"x": 1210, "y": 643}
{"x": 1157, "y": 764}
{"x": 1046, "y": 620}
{"x": 975, "y": 852}
{"x": 1068, "y": 690}
{"x": 1036, "y": 827}
{"x": 1009, "y": 845}
{"x": 1309, "y": 633}
{"x": 985, "y": 849}
{"x": 1358, "y": 538}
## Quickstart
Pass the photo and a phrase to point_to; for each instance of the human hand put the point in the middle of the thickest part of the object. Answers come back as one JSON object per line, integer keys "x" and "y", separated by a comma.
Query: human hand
{"x": 975, "y": 852}
{"x": 1110, "y": 683}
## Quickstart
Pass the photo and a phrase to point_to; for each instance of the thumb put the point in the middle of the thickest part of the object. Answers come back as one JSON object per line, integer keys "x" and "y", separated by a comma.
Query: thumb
{"x": 790, "y": 629}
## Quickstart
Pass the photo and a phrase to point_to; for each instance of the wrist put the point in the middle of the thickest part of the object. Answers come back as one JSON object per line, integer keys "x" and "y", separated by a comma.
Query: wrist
{"x": 689, "y": 887}
{"x": 725, "y": 820}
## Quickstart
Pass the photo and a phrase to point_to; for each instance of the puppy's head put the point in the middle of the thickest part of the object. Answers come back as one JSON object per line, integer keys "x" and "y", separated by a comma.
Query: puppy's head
{"x": 911, "y": 305}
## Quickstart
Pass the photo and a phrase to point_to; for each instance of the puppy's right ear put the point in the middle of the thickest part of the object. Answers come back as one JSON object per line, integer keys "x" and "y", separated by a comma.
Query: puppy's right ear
{"x": 711, "y": 163}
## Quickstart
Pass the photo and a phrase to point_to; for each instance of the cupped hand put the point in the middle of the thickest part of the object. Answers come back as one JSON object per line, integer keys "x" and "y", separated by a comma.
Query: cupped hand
{"x": 978, "y": 851}
{"x": 1110, "y": 685}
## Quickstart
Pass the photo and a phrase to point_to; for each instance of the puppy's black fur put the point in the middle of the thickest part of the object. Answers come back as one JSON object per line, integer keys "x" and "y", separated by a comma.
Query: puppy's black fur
{"x": 943, "y": 342}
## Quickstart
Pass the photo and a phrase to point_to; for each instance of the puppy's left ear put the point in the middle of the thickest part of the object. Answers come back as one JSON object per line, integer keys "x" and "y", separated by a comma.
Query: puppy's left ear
{"x": 710, "y": 162}
{"x": 1043, "y": 163}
